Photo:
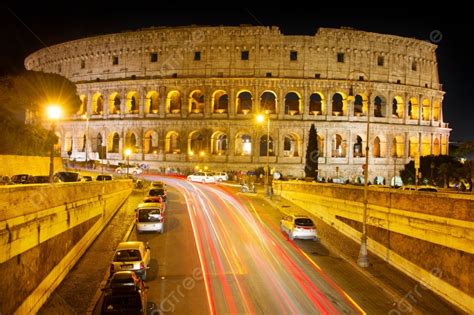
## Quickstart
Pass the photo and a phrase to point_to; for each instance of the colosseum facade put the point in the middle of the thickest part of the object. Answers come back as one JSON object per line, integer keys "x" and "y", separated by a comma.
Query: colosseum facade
{"x": 186, "y": 96}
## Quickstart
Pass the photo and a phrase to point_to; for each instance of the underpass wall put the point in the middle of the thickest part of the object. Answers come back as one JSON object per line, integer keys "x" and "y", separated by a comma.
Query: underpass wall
{"x": 429, "y": 236}
{"x": 22, "y": 164}
{"x": 44, "y": 230}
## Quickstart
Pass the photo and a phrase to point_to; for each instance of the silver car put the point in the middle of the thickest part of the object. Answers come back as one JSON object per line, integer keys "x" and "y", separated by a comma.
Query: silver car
{"x": 131, "y": 256}
{"x": 150, "y": 217}
{"x": 298, "y": 226}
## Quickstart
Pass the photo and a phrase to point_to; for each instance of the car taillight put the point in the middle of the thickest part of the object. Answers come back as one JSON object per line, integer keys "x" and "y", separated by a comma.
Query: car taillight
{"x": 142, "y": 266}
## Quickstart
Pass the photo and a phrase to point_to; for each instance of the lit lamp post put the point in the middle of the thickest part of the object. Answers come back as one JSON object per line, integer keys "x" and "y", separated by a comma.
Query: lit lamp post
{"x": 363, "y": 260}
{"x": 127, "y": 155}
{"x": 261, "y": 119}
{"x": 54, "y": 113}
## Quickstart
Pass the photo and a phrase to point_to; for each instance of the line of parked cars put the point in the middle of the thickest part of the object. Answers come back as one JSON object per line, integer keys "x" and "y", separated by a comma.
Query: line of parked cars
{"x": 126, "y": 291}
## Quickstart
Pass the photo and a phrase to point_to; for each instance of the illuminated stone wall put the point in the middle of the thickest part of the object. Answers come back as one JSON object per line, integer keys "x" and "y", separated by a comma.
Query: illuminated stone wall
{"x": 33, "y": 165}
{"x": 170, "y": 93}
{"x": 417, "y": 232}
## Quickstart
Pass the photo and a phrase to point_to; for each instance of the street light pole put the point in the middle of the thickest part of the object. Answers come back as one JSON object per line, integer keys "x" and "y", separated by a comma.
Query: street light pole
{"x": 363, "y": 260}
{"x": 127, "y": 155}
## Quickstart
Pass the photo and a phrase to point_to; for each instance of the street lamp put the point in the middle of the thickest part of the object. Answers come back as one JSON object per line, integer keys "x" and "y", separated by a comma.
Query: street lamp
{"x": 54, "y": 113}
{"x": 127, "y": 155}
{"x": 363, "y": 260}
{"x": 86, "y": 137}
{"x": 261, "y": 119}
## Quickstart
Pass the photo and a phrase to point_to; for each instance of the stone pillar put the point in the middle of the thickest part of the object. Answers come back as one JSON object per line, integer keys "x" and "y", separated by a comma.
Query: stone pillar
{"x": 162, "y": 105}
{"x": 88, "y": 109}
{"x": 329, "y": 95}
{"x": 406, "y": 152}
{"x": 106, "y": 104}
{"x": 232, "y": 102}
{"x": 207, "y": 102}
{"x": 142, "y": 102}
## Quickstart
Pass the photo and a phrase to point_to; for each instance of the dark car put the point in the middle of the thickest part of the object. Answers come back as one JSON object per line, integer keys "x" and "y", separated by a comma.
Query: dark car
{"x": 156, "y": 195}
{"x": 103, "y": 177}
{"x": 22, "y": 179}
{"x": 124, "y": 293}
{"x": 66, "y": 177}
{"x": 41, "y": 179}
{"x": 4, "y": 180}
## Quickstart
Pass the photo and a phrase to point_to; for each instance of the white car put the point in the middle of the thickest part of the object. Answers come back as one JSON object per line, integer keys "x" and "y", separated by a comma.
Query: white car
{"x": 133, "y": 170}
{"x": 150, "y": 217}
{"x": 202, "y": 177}
{"x": 131, "y": 256}
{"x": 298, "y": 226}
{"x": 221, "y": 176}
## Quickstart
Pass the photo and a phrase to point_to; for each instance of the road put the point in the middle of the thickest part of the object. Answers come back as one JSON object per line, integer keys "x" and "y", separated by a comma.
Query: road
{"x": 218, "y": 256}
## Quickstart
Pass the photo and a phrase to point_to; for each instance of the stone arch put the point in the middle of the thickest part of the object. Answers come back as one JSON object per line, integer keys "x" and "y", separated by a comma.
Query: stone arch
{"x": 339, "y": 104}
{"x": 338, "y": 146}
{"x": 413, "y": 146}
{"x": 197, "y": 142}
{"x": 425, "y": 109}
{"x": 358, "y": 105}
{"x": 425, "y": 145}
{"x": 436, "y": 150}
{"x": 83, "y": 107}
{"x": 397, "y": 147}
{"x": 243, "y": 144}
{"x": 293, "y": 103}
{"x": 113, "y": 142}
{"x": 114, "y": 103}
{"x": 397, "y": 107}
{"x": 316, "y": 104}
{"x": 380, "y": 106}
{"x": 379, "y": 147}
{"x": 196, "y": 102}
{"x": 97, "y": 104}
{"x": 358, "y": 147}
{"x": 413, "y": 108}
{"x": 150, "y": 142}
{"x": 436, "y": 110}
{"x": 152, "y": 103}
{"x": 244, "y": 102}
{"x": 291, "y": 145}
{"x": 263, "y": 146}
{"x": 219, "y": 143}
{"x": 173, "y": 102}
{"x": 131, "y": 141}
{"x": 220, "y": 102}
{"x": 172, "y": 142}
{"x": 131, "y": 105}
{"x": 268, "y": 103}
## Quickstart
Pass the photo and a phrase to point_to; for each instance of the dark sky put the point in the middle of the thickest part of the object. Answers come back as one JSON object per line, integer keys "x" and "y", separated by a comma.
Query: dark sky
{"x": 24, "y": 30}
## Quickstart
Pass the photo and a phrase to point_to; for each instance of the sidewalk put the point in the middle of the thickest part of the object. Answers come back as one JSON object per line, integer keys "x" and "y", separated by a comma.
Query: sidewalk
{"x": 406, "y": 295}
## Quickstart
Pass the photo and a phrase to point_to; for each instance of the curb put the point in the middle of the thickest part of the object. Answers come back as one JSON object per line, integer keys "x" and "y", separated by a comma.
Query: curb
{"x": 98, "y": 293}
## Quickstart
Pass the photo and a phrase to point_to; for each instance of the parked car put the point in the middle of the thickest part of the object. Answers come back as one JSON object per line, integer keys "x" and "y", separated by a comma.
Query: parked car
{"x": 129, "y": 169}
{"x": 103, "y": 177}
{"x": 125, "y": 293}
{"x": 66, "y": 177}
{"x": 41, "y": 179}
{"x": 4, "y": 180}
{"x": 158, "y": 184}
{"x": 298, "y": 226}
{"x": 150, "y": 217}
{"x": 221, "y": 176}
{"x": 420, "y": 188}
{"x": 86, "y": 178}
{"x": 22, "y": 179}
{"x": 132, "y": 256}
{"x": 156, "y": 195}
{"x": 202, "y": 177}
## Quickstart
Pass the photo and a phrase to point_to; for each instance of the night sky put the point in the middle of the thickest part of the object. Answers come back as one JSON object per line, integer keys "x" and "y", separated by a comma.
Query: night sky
{"x": 23, "y": 31}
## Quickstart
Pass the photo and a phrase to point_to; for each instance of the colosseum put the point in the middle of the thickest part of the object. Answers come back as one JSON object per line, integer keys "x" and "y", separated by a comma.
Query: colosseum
{"x": 181, "y": 97}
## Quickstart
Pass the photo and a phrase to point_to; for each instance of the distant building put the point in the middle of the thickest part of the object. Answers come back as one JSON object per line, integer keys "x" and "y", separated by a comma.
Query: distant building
{"x": 184, "y": 96}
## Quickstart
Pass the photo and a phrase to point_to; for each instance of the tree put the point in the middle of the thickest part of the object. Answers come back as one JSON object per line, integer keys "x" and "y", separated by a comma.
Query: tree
{"x": 312, "y": 154}
{"x": 31, "y": 92}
